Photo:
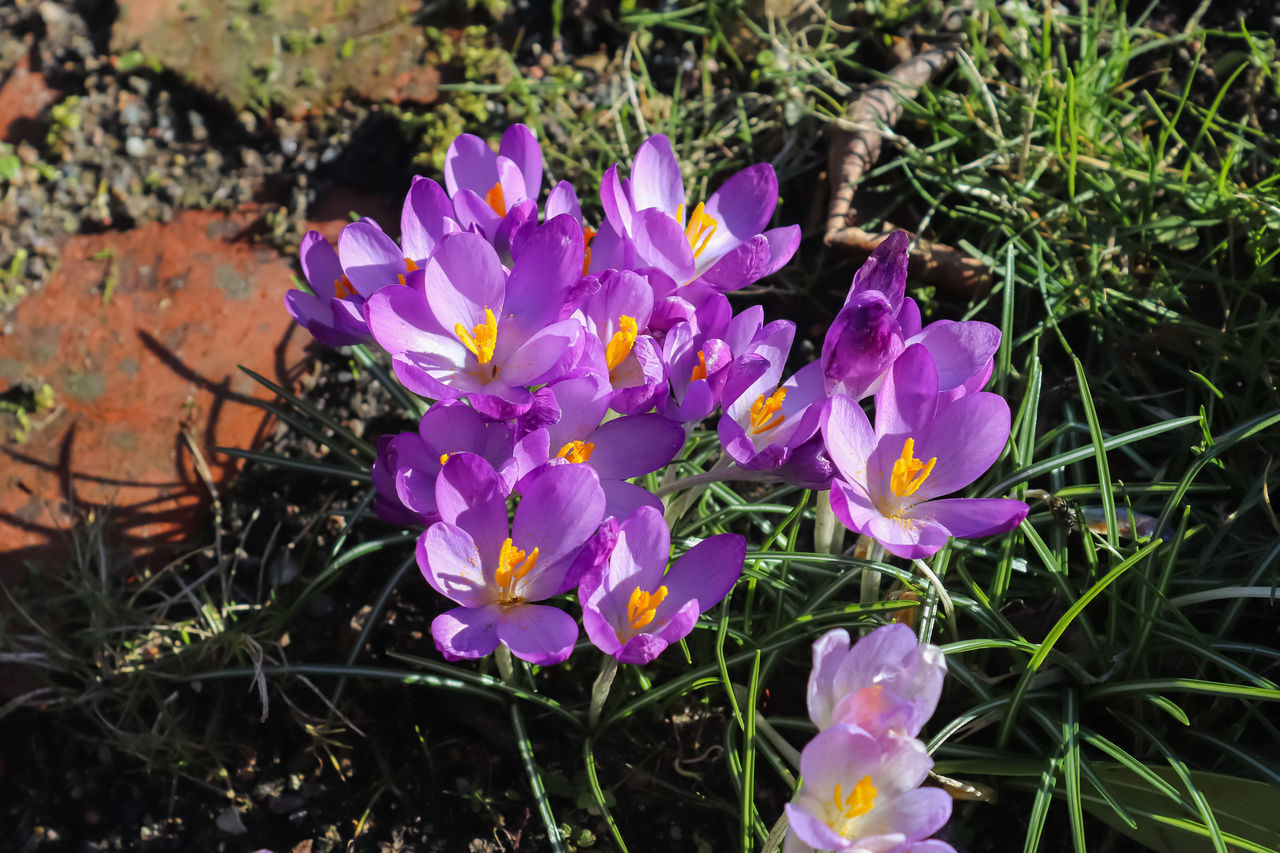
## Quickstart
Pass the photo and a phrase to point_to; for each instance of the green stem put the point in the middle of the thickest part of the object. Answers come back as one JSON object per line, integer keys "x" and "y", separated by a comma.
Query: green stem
{"x": 828, "y": 532}
{"x": 600, "y": 690}
{"x": 506, "y": 669}
{"x": 870, "y": 592}
{"x": 715, "y": 475}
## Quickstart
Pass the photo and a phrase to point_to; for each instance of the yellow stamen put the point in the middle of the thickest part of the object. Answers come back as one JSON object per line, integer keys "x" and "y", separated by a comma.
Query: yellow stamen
{"x": 643, "y": 605}
{"x": 588, "y": 234}
{"x": 701, "y": 228}
{"x": 513, "y": 565}
{"x": 496, "y": 200}
{"x": 409, "y": 266}
{"x": 482, "y": 339}
{"x": 622, "y": 341}
{"x": 762, "y": 410}
{"x": 444, "y": 457}
{"x": 909, "y": 473}
{"x": 342, "y": 287}
{"x": 699, "y": 369}
{"x": 858, "y": 803}
{"x": 577, "y": 451}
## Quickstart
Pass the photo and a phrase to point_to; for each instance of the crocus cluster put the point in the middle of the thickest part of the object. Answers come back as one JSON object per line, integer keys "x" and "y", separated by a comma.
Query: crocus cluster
{"x": 862, "y": 771}
{"x": 565, "y": 359}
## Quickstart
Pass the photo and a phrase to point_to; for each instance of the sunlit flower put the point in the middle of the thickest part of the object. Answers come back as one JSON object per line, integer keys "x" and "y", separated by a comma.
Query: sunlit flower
{"x": 888, "y": 681}
{"x": 924, "y": 445}
{"x": 496, "y": 573}
{"x": 467, "y": 328}
{"x": 720, "y": 242}
{"x": 861, "y": 794}
{"x": 486, "y": 187}
{"x": 635, "y": 607}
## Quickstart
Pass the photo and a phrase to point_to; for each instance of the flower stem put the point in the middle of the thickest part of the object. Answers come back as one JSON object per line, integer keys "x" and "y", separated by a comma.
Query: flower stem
{"x": 870, "y": 592}
{"x": 719, "y": 474}
{"x": 828, "y": 532}
{"x": 600, "y": 690}
{"x": 502, "y": 655}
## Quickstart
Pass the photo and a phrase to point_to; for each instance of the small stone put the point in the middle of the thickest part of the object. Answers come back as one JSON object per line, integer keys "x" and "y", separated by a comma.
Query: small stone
{"x": 230, "y": 822}
{"x": 135, "y": 146}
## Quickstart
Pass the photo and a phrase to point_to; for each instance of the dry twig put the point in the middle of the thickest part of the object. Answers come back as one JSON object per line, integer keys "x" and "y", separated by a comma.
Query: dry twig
{"x": 855, "y": 151}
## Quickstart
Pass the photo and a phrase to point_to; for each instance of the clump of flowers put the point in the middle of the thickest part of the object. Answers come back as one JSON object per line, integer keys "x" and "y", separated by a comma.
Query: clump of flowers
{"x": 862, "y": 771}
{"x": 564, "y": 361}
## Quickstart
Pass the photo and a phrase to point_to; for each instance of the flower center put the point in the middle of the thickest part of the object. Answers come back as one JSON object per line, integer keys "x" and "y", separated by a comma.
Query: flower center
{"x": 699, "y": 369}
{"x": 482, "y": 339}
{"x": 764, "y": 415}
{"x": 622, "y": 341}
{"x": 577, "y": 451}
{"x": 588, "y": 234}
{"x": 495, "y": 199}
{"x": 700, "y": 228}
{"x": 409, "y": 266}
{"x": 513, "y": 566}
{"x": 642, "y": 606}
{"x": 342, "y": 288}
{"x": 909, "y": 473}
{"x": 858, "y": 803}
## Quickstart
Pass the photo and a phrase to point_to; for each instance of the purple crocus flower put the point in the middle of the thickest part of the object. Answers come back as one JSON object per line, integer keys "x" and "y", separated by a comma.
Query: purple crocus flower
{"x": 619, "y": 449}
{"x": 467, "y": 328}
{"x": 719, "y": 242}
{"x": 335, "y": 320}
{"x": 606, "y": 249}
{"x": 616, "y": 315}
{"x": 878, "y": 321}
{"x": 407, "y": 464}
{"x": 763, "y": 418}
{"x": 635, "y": 607}
{"x": 496, "y": 573}
{"x": 888, "y": 681}
{"x": 861, "y": 794}
{"x": 924, "y": 445}
{"x": 487, "y": 187}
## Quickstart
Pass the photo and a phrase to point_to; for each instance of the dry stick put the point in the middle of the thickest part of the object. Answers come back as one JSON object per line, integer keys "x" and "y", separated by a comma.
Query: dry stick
{"x": 855, "y": 151}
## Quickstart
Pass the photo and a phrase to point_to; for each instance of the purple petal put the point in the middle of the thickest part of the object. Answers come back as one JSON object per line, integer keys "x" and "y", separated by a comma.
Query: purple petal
{"x": 960, "y": 350}
{"x": 616, "y": 202}
{"x": 656, "y": 181}
{"x": 550, "y": 263}
{"x": 466, "y": 633}
{"x": 427, "y": 216}
{"x": 462, "y": 279}
{"x": 704, "y": 574}
{"x": 969, "y": 518}
{"x": 863, "y": 341}
{"x": 661, "y": 242}
{"x": 849, "y": 438}
{"x": 563, "y": 199}
{"x": 886, "y": 269}
{"x": 539, "y": 358}
{"x": 474, "y": 214}
{"x": 635, "y": 445}
{"x": 560, "y": 507}
{"x": 471, "y": 164}
{"x": 469, "y": 495}
{"x": 370, "y": 259}
{"x": 317, "y": 316}
{"x": 401, "y": 321}
{"x": 967, "y": 437}
{"x": 809, "y": 829}
{"x": 906, "y": 403}
{"x": 538, "y": 633}
{"x": 520, "y": 146}
{"x": 450, "y": 562}
{"x": 622, "y": 499}
{"x": 907, "y": 537}
{"x": 320, "y": 263}
{"x": 742, "y": 207}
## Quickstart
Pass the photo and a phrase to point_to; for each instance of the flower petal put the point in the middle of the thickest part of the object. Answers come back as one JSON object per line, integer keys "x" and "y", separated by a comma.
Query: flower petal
{"x": 449, "y": 560}
{"x": 655, "y": 177}
{"x": 370, "y": 259}
{"x": 538, "y": 633}
{"x": 849, "y": 438}
{"x": 634, "y": 445}
{"x": 967, "y": 436}
{"x": 466, "y": 633}
{"x": 426, "y": 217}
{"x": 471, "y": 164}
{"x": 661, "y": 243}
{"x": 469, "y": 495}
{"x": 969, "y": 518}
{"x": 960, "y": 350}
{"x": 520, "y": 146}
{"x": 906, "y": 403}
{"x": 462, "y": 279}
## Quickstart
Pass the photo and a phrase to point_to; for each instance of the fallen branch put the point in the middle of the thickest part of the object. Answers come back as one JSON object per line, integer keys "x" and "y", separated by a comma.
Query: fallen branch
{"x": 855, "y": 151}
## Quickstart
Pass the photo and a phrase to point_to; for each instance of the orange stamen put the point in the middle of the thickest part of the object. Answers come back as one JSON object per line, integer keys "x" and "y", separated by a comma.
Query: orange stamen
{"x": 763, "y": 410}
{"x": 409, "y": 266}
{"x": 588, "y": 234}
{"x": 642, "y": 606}
{"x": 496, "y": 200}
{"x": 699, "y": 369}
{"x": 577, "y": 451}
{"x": 482, "y": 339}
{"x": 622, "y": 341}
{"x": 859, "y": 802}
{"x": 513, "y": 566}
{"x": 342, "y": 287}
{"x": 701, "y": 228}
{"x": 909, "y": 473}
